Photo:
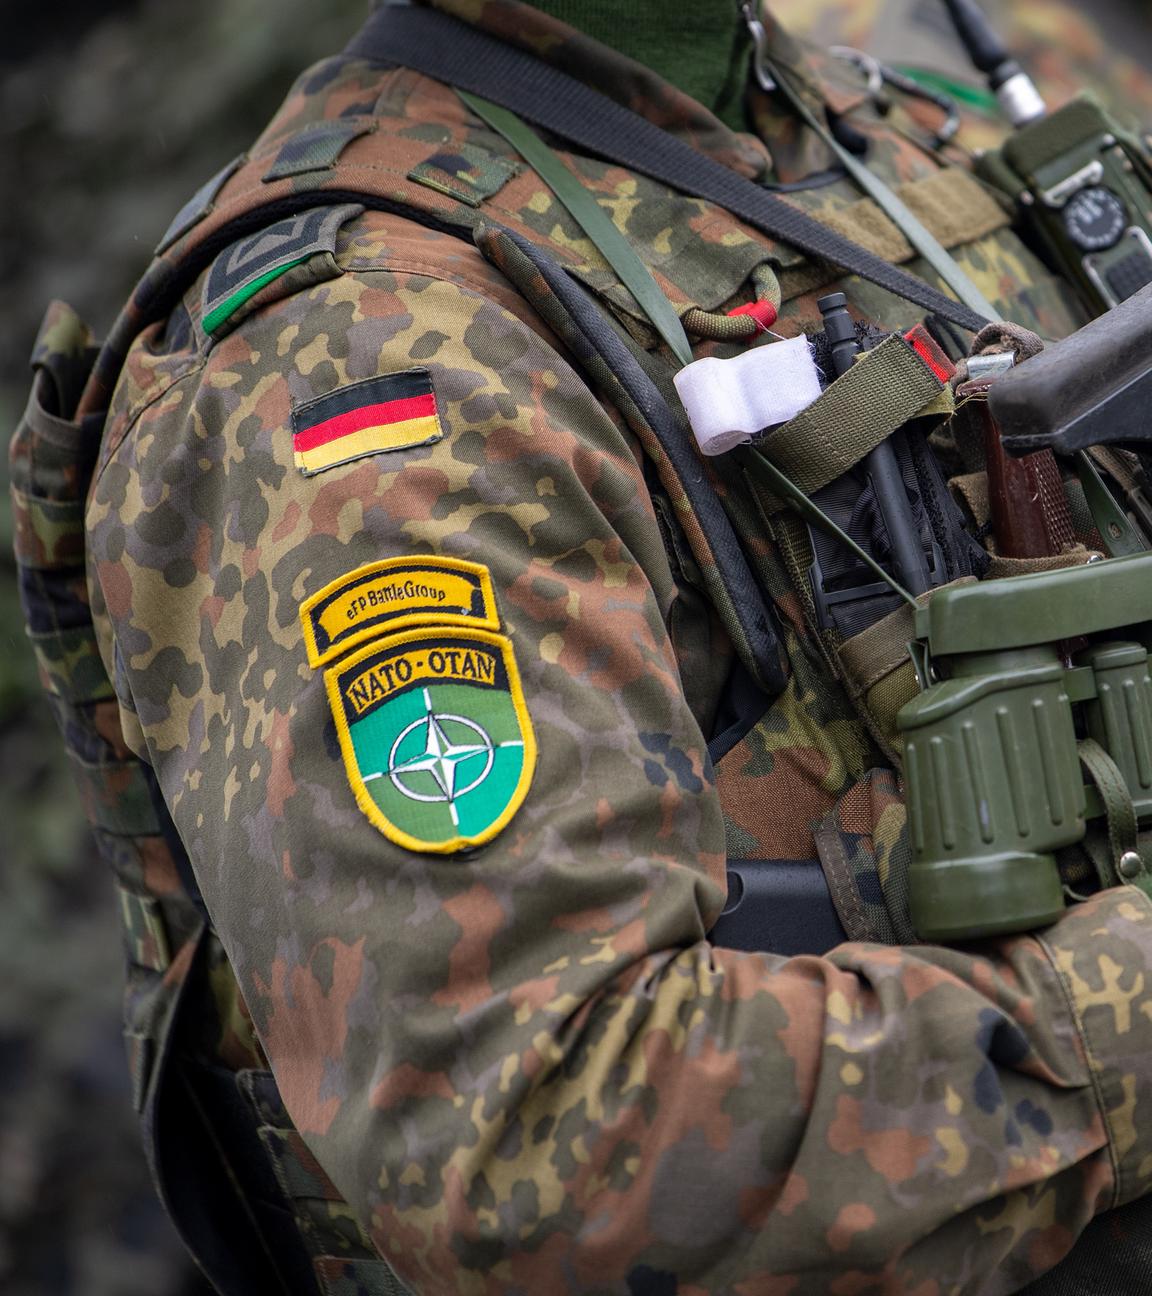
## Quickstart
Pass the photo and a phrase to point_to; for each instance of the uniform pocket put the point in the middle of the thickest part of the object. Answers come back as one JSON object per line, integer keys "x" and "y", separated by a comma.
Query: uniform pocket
{"x": 148, "y": 998}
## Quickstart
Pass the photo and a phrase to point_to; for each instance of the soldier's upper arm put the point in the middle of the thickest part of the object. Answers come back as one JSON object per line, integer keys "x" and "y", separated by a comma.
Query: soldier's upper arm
{"x": 417, "y": 718}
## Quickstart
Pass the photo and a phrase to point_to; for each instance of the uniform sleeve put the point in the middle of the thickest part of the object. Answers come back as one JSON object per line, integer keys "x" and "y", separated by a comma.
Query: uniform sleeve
{"x": 522, "y": 1063}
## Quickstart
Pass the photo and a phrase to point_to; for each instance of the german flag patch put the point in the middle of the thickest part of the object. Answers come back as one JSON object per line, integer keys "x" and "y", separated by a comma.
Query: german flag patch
{"x": 393, "y": 412}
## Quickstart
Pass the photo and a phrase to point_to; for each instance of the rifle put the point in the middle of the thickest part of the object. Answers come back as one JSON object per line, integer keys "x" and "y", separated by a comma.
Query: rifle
{"x": 1029, "y": 508}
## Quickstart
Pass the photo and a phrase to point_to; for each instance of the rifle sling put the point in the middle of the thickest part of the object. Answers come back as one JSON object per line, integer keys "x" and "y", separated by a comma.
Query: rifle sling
{"x": 461, "y": 56}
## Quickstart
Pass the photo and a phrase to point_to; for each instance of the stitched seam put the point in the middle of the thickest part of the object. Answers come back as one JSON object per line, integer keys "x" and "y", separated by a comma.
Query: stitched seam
{"x": 405, "y": 266}
{"x": 1093, "y": 1066}
{"x": 135, "y": 413}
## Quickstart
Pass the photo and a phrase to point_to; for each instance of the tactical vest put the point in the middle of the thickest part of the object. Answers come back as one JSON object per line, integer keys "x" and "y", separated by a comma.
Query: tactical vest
{"x": 252, "y": 1204}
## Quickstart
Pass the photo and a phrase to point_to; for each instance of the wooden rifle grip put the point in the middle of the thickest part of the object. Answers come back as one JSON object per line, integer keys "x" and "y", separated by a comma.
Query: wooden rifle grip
{"x": 1030, "y": 513}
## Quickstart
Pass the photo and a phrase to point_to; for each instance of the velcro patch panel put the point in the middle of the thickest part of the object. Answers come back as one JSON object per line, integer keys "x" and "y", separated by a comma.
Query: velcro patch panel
{"x": 465, "y": 172}
{"x": 199, "y": 205}
{"x": 316, "y": 147}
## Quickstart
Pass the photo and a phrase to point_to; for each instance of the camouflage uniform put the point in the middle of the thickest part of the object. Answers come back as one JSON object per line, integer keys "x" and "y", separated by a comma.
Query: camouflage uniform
{"x": 523, "y": 1067}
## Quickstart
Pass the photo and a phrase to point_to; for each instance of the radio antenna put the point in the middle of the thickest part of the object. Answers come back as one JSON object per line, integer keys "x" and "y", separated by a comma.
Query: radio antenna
{"x": 1013, "y": 87}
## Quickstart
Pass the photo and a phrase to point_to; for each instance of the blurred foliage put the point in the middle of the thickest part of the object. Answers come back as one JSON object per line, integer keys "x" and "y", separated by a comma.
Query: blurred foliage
{"x": 111, "y": 115}
{"x": 106, "y": 127}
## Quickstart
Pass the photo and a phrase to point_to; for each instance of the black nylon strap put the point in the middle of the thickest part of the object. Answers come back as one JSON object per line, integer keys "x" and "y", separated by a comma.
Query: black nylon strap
{"x": 461, "y": 56}
{"x": 756, "y": 621}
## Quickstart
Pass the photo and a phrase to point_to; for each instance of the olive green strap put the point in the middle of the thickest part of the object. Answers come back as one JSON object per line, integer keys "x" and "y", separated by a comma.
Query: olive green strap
{"x": 590, "y": 216}
{"x": 1116, "y": 856}
{"x": 909, "y": 225}
{"x": 1119, "y": 812}
{"x": 1119, "y": 535}
{"x": 883, "y": 390}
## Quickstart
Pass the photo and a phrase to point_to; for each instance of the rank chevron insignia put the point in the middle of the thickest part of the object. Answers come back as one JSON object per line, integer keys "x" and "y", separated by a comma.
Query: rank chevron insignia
{"x": 435, "y": 735}
{"x": 251, "y": 264}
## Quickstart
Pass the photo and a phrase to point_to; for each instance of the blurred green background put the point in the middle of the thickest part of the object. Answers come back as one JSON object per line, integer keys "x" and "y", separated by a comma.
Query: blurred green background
{"x": 111, "y": 115}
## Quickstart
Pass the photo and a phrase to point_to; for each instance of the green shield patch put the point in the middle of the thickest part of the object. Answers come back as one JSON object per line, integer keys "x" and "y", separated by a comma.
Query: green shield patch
{"x": 435, "y": 735}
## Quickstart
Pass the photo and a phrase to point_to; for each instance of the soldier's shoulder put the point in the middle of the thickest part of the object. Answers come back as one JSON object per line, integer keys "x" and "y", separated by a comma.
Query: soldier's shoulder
{"x": 336, "y": 271}
{"x": 364, "y": 251}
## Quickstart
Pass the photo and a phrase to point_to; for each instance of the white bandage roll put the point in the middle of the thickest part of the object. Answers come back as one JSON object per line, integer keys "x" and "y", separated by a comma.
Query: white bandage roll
{"x": 728, "y": 401}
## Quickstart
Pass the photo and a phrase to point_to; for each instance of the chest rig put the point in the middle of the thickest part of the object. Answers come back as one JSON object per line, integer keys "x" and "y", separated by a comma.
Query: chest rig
{"x": 798, "y": 721}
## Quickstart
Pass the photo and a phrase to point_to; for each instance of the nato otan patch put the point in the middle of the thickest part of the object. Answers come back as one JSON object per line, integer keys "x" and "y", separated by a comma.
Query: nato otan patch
{"x": 435, "y": 734}
{"x": 393, "y": 412}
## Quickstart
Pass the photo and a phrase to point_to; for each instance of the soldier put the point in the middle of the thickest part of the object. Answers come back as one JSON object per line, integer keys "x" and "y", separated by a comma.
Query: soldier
{"x": 447, "y": 680}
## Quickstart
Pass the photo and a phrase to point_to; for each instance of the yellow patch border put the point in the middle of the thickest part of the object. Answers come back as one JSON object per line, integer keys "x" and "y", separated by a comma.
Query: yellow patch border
{"x": 489, "y": 620}
{"x": 364, "y": 800}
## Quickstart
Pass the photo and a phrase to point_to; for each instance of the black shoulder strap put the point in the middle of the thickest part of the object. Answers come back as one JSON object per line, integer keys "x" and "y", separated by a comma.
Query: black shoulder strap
{"x": 461, "y": 56}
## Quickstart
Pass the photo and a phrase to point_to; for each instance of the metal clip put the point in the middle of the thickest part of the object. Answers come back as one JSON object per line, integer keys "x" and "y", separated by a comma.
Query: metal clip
{"x": 759, "y": 42}
{"x": 1085, "y": 178}
{"x": 878, "y": 75}
{"x": 869, "y": 66}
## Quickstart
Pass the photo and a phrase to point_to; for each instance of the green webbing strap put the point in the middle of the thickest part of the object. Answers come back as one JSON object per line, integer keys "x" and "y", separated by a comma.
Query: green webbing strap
{"x": 913, "y": 230}
{"x": 592, "y": 219}
{"x": 1119, "y": 812}
{"x": 883, "y": 390}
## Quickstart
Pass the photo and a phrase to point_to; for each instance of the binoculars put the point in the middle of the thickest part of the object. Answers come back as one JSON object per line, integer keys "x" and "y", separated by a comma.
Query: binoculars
{"x": 996, "y": 783}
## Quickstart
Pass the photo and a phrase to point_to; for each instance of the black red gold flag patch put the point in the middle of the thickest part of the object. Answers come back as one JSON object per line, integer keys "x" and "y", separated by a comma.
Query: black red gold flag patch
{"x": 392, "y": 412}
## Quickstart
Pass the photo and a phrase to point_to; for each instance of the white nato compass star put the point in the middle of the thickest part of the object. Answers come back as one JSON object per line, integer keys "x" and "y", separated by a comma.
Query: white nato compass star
{"x": 441, "y": 757}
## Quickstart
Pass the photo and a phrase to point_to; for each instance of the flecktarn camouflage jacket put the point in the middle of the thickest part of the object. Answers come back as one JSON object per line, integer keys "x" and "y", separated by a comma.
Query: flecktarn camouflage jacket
{"x": 425, "y": 639}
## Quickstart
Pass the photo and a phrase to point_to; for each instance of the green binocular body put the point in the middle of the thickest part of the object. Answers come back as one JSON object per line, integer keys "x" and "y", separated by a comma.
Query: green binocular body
{"x": 1009, "y": 758}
